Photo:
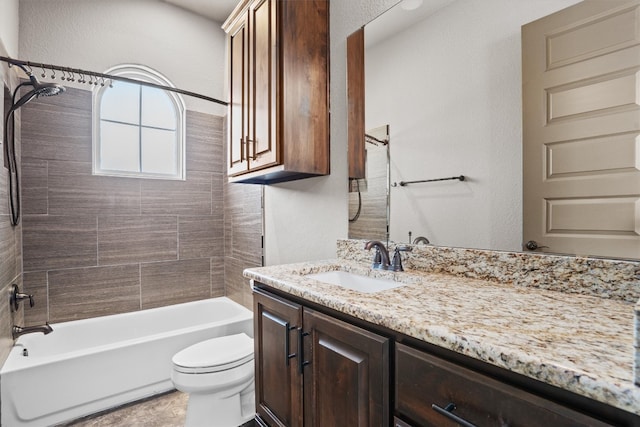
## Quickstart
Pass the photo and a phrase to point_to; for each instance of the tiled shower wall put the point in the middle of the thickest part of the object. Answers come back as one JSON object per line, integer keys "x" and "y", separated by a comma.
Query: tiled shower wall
{"x": 10, "y": 248}
{"x": 97, "y": 245}
{"x": 242, "y": 237}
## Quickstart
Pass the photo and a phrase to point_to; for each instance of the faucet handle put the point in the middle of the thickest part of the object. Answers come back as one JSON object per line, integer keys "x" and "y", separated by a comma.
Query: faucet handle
{"x": 396, "y": 263}
{"x": 377, "y": 259}
{"x": 16, "y": 297}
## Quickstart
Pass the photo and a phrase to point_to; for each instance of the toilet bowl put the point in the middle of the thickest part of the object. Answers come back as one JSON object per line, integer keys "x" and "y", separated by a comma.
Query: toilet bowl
{"x": 218, "y": 375}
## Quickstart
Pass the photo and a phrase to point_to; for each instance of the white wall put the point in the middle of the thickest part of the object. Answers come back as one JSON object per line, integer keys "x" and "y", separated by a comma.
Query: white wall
{"x": 95, "y": 35}
{"x": 450, "y": 89}
{"x": 9, "y": 27}
{"x": 304, "y": 218}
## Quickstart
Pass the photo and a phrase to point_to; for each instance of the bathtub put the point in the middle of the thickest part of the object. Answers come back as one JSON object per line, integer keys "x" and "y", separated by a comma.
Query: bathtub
{"x": 86, "y": 366}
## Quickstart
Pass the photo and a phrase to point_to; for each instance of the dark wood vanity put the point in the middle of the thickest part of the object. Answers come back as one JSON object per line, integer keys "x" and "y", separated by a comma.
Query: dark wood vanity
{"x": 319, "y": 367}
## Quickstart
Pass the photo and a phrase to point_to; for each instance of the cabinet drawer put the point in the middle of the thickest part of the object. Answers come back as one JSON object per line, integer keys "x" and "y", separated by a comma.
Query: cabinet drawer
{"x": 425, "y": 383}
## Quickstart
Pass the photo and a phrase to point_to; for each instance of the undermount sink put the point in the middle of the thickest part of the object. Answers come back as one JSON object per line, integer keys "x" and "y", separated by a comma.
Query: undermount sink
{"x": 356, "y": 282}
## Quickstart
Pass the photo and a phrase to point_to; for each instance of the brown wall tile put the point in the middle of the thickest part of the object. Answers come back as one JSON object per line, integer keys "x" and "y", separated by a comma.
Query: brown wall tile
{"x": 237, "y": 286}
{"x": 132, "y": 239}
{"x": 176, "y": 282}
{"x": 73, "y": 190}
{"x": 35, "y": 284}
{"x": 217, "y": 194}
{"x": 89, "y": 292}
{"x": 190, "y": 197}
{"x": 204, "y": 142}
{"x": 53, "y": 129}
{"x": 243, "y": 238}
{"x": 51, "y": 242}
{"x": 34, "y": 187}
{"x": 10, "y": 244}
{"x": 9, "y": 262}
{"x": 217, "y": 276}
{"x": 200, "y": 237}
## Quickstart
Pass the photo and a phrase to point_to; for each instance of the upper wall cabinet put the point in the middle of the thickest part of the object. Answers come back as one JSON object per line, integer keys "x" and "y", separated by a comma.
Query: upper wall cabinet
{"x": 279, "y": 93}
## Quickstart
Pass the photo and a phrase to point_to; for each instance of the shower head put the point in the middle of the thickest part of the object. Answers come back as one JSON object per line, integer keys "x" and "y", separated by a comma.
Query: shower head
{"x": 39, "y": 89}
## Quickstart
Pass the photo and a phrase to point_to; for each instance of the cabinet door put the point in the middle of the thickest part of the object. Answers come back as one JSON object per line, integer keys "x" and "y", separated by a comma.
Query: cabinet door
{"x": 278, "y": 379}
{"x": 433, "y": 392}
{"x": 238, "y": 124}
{"x": 262, "y": 143}
{"x": 346, "y": 379}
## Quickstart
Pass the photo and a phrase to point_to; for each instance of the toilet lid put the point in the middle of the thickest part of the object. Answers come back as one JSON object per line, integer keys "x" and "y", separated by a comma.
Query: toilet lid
{"x": 214, "y": 355}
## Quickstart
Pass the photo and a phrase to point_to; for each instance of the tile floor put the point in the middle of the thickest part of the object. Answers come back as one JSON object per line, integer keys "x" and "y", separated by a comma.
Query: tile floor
{"x": 165, "y": 410}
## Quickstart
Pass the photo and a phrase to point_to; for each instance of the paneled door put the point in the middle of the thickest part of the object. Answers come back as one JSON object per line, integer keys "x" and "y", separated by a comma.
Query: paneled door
{"x": 581, "y": 129}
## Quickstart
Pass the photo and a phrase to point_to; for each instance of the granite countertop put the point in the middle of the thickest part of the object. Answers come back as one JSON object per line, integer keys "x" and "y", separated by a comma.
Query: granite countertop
{"x": 580, "y": 343}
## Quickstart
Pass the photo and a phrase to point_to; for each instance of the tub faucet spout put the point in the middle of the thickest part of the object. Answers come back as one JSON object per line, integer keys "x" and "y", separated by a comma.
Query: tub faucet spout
{"x": 16, "y": 331}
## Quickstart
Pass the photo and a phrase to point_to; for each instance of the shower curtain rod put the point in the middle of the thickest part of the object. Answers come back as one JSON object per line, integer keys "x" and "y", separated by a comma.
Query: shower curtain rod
{"x": 100, "y": 78}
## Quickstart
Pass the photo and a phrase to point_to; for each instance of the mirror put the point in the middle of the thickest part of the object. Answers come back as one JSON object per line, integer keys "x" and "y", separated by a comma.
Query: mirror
{"x": 449, "y": 87}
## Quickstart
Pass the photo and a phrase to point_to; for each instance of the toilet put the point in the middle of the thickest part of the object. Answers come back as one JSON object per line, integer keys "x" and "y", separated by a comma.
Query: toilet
{"x": 218, "y": 375}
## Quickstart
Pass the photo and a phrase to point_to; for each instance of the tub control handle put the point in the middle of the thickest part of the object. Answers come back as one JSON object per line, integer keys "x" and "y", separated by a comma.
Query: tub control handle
{"x": 16, "y": 297}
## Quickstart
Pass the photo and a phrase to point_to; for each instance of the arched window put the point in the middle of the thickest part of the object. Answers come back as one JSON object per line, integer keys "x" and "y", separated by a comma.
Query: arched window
{"x": 138, "y": 131}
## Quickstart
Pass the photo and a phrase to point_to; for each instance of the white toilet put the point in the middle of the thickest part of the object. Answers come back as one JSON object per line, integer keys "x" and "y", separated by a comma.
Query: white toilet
{"x": 218, "y": 374}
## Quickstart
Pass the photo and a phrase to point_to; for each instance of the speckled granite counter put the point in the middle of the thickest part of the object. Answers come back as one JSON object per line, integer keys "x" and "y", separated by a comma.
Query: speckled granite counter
{"x": 581, "y": 343}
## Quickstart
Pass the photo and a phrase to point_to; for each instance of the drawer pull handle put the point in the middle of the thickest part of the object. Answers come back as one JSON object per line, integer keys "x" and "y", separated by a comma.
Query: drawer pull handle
{"x": 287, "y": 345}
{"x": 301, "y": 362}
{"x": 448, "y": 412}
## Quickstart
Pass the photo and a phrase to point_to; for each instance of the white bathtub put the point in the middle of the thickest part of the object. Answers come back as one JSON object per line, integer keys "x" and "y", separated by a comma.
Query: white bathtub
{"x": 87, "y": 366}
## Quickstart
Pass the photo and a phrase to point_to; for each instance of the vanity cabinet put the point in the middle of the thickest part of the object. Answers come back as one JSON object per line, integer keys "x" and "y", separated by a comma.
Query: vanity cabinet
{"x": 315, "y": 370}
{"x": 278, "y": 119}
{"x": 318, "y": 367}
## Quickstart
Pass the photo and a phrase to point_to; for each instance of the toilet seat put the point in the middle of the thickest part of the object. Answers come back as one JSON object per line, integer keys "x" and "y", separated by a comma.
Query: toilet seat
{"x": 214, "y": 355}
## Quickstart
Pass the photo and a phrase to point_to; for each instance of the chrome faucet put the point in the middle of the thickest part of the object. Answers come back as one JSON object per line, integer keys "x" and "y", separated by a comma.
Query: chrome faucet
{"x": 381, "y": 257}
{"x": 421, "y": 239}
{"x": 16, "y": 331}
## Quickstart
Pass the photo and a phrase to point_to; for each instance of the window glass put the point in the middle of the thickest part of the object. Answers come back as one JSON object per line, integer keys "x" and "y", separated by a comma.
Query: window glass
{"x": 157, "y": 109}
{"x": 117, "y": 152}
{"x": 159, "y": 151}
{"x": 138, "y": 129}
{"x": 121, "y": 103}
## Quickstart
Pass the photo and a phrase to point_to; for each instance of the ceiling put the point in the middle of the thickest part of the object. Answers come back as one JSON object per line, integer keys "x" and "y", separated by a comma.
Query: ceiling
{"x": 216, "y": 10}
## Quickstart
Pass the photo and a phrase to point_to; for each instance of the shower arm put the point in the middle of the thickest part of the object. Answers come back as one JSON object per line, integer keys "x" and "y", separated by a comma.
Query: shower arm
{"x": 102, "y": 77}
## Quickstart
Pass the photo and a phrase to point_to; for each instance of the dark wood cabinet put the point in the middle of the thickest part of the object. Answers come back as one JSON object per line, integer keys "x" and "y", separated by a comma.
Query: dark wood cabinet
{"x": 238, "y": 113}
{"x": 279, "y": 94}
{"x": 346, "y": 381}
{"x": 315, "y": 370}
{"x": 278, "y": 378}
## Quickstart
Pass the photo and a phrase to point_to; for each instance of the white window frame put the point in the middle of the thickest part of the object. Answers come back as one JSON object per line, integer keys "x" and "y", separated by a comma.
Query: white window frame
{"x": 142, "y": 73}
